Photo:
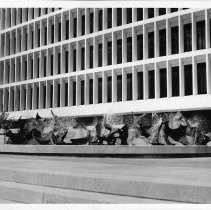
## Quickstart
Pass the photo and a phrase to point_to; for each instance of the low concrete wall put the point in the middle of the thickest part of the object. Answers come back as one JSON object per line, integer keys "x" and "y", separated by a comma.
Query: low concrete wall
{"x": 107, "y": 150}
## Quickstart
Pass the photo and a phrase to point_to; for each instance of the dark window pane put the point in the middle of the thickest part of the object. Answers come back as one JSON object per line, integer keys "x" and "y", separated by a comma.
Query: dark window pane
{"x": 140, "y": 85}
{"x": 52, "y": 66}
{"x": 59, "y": 31}
{"x": 100, "y": 55}
{"x": 100, "y": 23}
{"x": 150, "y": 12}
{"x": 90, "y": 57}
{"x": 52, "y": 33}
{"x": 151, "y": 45}
{"x": 174, "y": 9}
{"x": 100, "y": 90}
{"x": 45, "y": 66}
{"x": 109, "y": 89}
{"x": 163, "y": 83}
{"x": 129, "y": 15}
{"x": 83, "y": 25}
{"x": 140, "y": 46}
{"x": 66, "y": 61}
{"x": 139, "y": 14}
{"x": 119, "y": 16}
{"x": 58, "y": 96}
{"x": 162, "y": 11}
{"x": 201, "y": 76}
{"x": 119, "y": 87}
{"x": 151, "y": 81}
{"x": 129, "y": 87}
{"x": 174, "y": 40}
{"x": 109, "y": 53}
{"x": 91, "y": 91}
{"x": 66, "y": 94}
{"x": 91, "y": 22}
{"x": 67, "y": 29}
{"x": 188, "y": 79}
{"x": 82, "y": 92}
{"x": 59, "y": 63}
{"x": 187, "y": 37}
{"x": 82, "y": 58}
{"x": 74, "y": 93}
{"x": 109, "y": 23}
{"x": 129, "y": 49}
{"x": 200, "y": 33}
{"x": 74, "y": 60}
{"x": 119, "y": 51}
{"x": 162, "y": 40}
{"x": 175, "y": 81}
{"x": 44, "y": 96}
{"x": 74, "y": 27}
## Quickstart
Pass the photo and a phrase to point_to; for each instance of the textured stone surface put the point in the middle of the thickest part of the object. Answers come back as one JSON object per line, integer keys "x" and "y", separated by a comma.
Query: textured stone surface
{"x": 184, "y": 180}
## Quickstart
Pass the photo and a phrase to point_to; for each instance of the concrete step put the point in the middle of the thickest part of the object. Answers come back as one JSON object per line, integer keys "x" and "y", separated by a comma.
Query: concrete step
{"x": 25, "y": 193}
{"x": 167, "y": 191}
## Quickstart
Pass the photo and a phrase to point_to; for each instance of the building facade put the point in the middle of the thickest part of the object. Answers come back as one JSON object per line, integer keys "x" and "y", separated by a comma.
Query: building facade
{"x": 93, "y": 61}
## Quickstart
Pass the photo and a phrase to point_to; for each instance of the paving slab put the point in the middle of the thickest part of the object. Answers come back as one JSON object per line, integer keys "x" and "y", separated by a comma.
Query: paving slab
{"x": 183, "y": 180}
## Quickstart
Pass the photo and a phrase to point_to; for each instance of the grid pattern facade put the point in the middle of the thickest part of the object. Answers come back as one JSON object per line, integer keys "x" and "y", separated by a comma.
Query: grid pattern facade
{"x": 91, "y": 57}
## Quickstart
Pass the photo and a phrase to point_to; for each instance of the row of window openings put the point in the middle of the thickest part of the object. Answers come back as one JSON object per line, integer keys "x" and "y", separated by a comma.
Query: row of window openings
{"x": 200, "y": 44}
{"x": 201, "y": 83}
{"x": 19, "y": 18}
{"x": 67, "y": 34}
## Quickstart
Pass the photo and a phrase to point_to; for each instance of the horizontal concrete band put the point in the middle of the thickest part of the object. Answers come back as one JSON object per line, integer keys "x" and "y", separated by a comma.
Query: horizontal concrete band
{"x": 166, "y": 190}
{"x": 106, "y": 150}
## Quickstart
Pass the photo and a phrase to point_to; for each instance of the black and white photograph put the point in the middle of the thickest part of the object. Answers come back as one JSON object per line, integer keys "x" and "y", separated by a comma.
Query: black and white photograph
{"x": 105, "y": 103}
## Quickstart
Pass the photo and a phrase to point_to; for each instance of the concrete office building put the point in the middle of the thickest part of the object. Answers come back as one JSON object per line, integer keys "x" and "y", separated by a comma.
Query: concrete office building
{"x": 91, "y": 61}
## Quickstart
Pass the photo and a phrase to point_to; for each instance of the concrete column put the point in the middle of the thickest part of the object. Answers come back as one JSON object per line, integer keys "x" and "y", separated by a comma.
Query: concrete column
{"x": 105, "y": 17}
{"x": 48, "y": 95}
{"x": 104, "y": 51}
{"x": 134, "y": 16}
{"x": 42, "y": 32}
{"x": 86, "y": 89}
{"x": 55, "y": 93}
{"x": 207, "y": 28}
{"x": 208, "y": 74}
{"x": 124, "y": 85}
{"x": 70, "y": 58}
{"x": 78, "y": 57}
{"x": 71, "y": 24}
{"x": 124, "y": 16}
{"x": 194, "y": 69}
{"x": 95, "y": 52}
{"x": 193, "y": 32}
{"x": 55, "y": 69}
{"x": 79, "y": 22}
{"x": 70, "y": 89}
{"x": 181, "y": 78}
{"x": 87, "y": 21}
{"x": 134, "y": 44}
{"x": 114, "y": 86}
{"x": 145, "y": 79}
{"x": 181, "y": 35}
{"x": 96, "y": 19}
{"x": 157, "y": 81}
{"x": 95, "y": 89}
{"x": 124, "y": 47}
{"x": 63, "y": 27}
{"x": 145, "y": 13}
{"x": 63, "y": 50}
{"x": 169, "y": 79}
{"x": 62, "y": 92}
{"x": 78, "y": 91}
{"x": 105, "y": 84}
{"x": 145, "y": 42}
{"x": 114, "y": 17}
{"x": 135, "y": 83}
{"x": 156, "y": 34}
{"x": 41, "y": 96}
{"x": 114, "y": 49}
{"x": 156, "y": 12}
{"x": 168, "y": 10}
{"x": 168, "y": 37}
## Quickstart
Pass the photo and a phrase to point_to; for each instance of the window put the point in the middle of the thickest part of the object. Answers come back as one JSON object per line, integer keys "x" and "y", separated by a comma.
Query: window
{"x": 83, "y": 25}
{"x": 129, "y": 87}
{"x": 44, "y": 96}
{"x": 188, "y": 79}
{"x": 119, "y": 87}
{"x": 82, "y": 57}
{"x": 109, "y": 53}
{"x": 119, "y": 16}
{"x": 200, "y": 33}
{"x": 109, "y": 89}
{"x": 52, "y": 66}
{"x": 201, "y": 78}
{"x": 129, "y": 15}
{"x": 150, "y": 12}
{"x": 59, "y": 63}
{"x": 129, "y": 49}
{"x": 74, "y": 60}
{"x": 66, "y": 61}
{"x": 109, "y": 23}
{"x": 99, "y": 90}
{"x": 174, "y": 10}
{"x": 162, "y": 11}
{"x": 100, "y": 19}
{"x": 91, "y": 22}
{"x": 174, "y": 40}
{"x": 52, "y": 33}
{"x": 91, "y": 91}
{"x": 119, "y": 51}
{"x": 82, "y": 92}
{"x": 74, "y": 93}
{"x": 187, "y": 37}
{"x": 90, "y": 56}
{"x": 163, "y": 83}
{"x": 66, "y": 94}
{"x": 162, "y": 42}
{"x": 140, "y": 46}
{"x": 151, "y": 80}
{"x": 151, "y": 45}
{"x": 67, "y": 29}
{"x": 175, "y": 81}
{"x": 58, "y": 95}
{"x": 59, "y": 31}
{"x": 139, "y": 14}
{"x": 45, "y": 63}
{"x": 100, "y": 55}
{"x": 74, "y": 27}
